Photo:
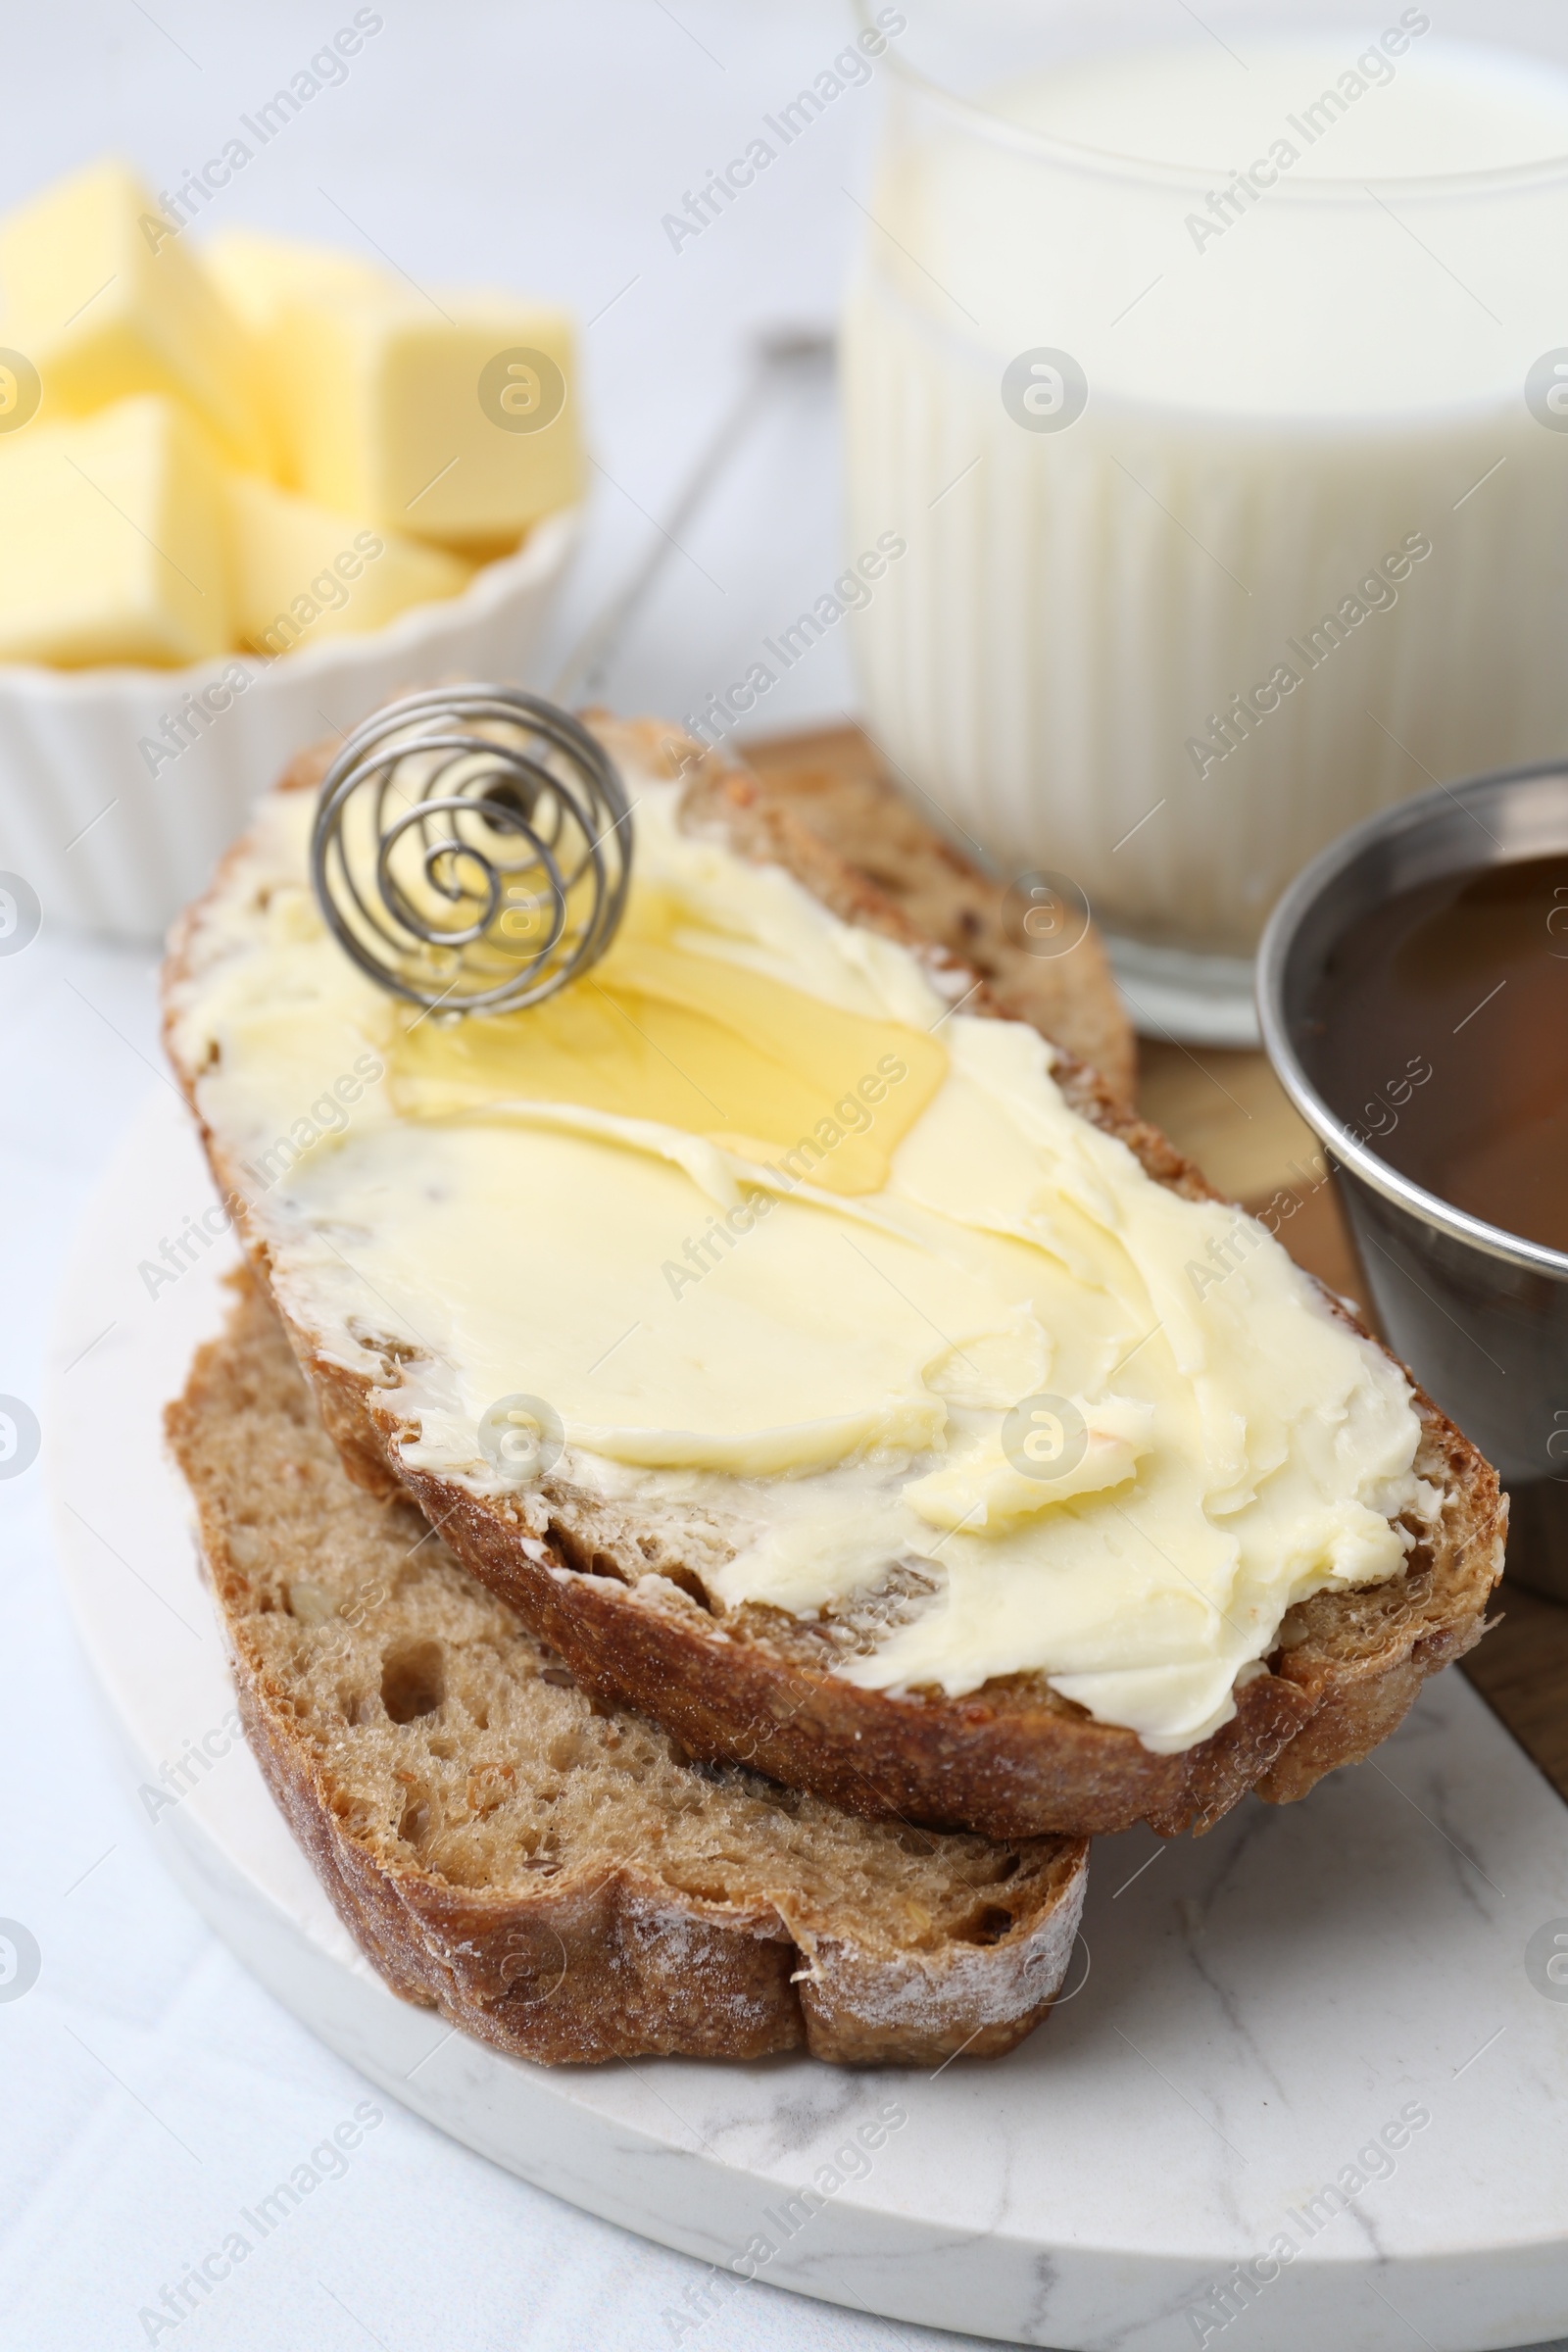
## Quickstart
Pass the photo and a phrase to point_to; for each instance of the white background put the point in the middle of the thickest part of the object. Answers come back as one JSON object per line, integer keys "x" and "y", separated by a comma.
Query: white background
{"x": 148, "y": 2087}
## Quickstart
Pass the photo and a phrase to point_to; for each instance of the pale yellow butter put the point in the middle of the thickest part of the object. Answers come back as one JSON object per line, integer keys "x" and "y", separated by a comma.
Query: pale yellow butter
{"x": 257, "y": 275}
{"x": 387, "y": 410}
{"x": 104, "y": 298}
{"x": 983, "y": 1488}
{"x": 301, "y": 572}
{"x": 113, "y": 539}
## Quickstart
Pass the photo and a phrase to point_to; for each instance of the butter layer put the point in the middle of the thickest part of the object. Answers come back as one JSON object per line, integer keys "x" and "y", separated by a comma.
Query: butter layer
{"x": 815, "y": 1330}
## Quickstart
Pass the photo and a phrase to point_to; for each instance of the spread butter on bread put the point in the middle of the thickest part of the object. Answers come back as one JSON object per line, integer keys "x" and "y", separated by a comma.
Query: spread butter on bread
{"x": 915, "y": 1422}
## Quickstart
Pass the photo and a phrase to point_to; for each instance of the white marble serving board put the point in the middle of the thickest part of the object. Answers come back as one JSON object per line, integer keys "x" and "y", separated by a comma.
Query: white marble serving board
{"x": 1247, "y": 2011}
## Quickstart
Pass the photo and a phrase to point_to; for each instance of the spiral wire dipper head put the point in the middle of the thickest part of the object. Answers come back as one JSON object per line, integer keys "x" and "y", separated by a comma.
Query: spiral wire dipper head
{"x": 472, "y": 848}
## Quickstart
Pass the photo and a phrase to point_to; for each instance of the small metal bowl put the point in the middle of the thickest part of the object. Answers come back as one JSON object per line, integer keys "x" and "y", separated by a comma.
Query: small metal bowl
{"x": 1478, "y": 1314}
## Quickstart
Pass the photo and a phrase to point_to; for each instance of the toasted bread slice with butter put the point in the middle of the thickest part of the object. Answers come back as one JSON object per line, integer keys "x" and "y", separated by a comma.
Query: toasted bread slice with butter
{"x": 555, "y": 1876}
{"x": 632, "y": 1596}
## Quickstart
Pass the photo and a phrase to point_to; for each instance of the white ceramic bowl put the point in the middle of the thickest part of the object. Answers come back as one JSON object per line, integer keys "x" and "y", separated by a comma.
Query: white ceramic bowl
{"x": 115, "y": 830}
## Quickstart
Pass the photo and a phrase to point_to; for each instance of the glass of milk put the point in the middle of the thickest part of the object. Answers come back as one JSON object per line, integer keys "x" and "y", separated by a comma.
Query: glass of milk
{"x": 1215, "y": 375}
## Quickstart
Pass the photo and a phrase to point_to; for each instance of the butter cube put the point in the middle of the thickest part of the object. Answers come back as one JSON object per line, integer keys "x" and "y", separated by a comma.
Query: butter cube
{"x": 113, "y": 530}
{"x": 105, "y": 300}
{"x": 257, "y": 275}
{"x": 299, "y": 571}
{"x": 457, "y": 424}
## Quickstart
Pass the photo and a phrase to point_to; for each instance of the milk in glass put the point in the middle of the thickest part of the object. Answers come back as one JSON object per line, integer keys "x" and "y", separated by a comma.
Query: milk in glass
{"x": 1221, "y": 405}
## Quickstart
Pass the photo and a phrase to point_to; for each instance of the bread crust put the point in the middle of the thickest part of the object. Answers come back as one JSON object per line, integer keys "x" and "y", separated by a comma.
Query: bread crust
{"x": 607, "y": 1958}
{"x": 1013, "y": 1759}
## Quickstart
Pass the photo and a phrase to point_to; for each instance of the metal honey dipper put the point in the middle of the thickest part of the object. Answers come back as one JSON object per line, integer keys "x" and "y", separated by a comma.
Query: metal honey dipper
{"x": 472, "y": 848}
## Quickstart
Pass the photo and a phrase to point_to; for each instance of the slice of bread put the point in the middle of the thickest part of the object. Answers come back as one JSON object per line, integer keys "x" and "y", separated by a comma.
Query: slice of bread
{"x": 554, "y": 1876}
{"x": 624, "y": 1603}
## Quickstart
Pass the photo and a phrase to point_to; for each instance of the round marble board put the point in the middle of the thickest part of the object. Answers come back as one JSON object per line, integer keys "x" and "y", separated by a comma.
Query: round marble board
{"x": 1307, "y": 2082}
